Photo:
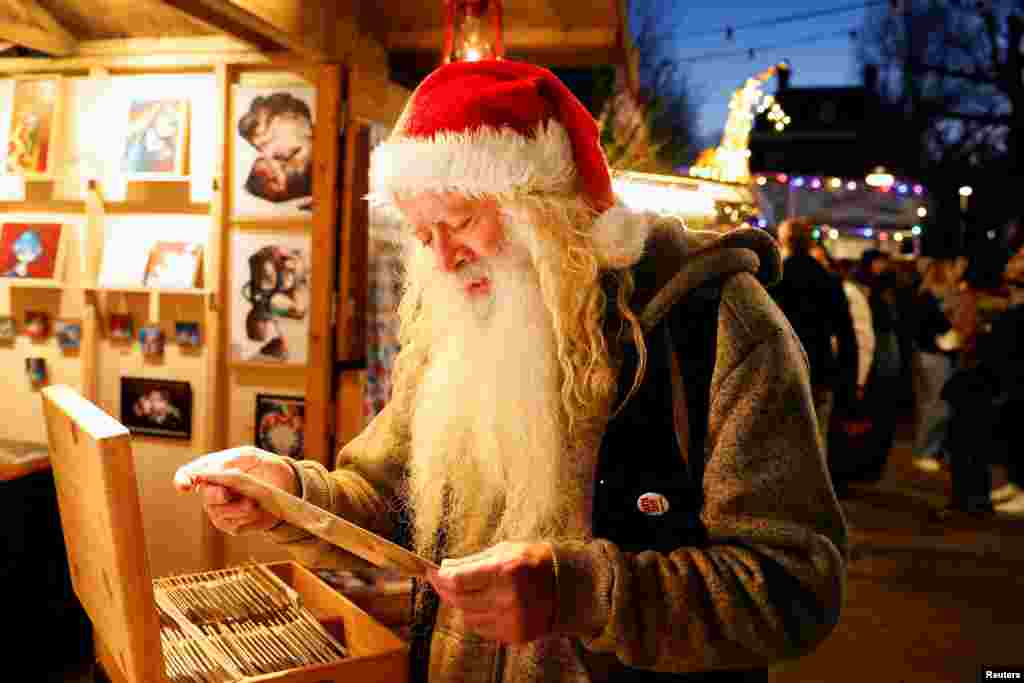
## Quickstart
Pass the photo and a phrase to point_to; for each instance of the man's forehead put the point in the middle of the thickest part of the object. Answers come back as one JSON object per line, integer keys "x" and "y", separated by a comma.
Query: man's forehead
{"x": 430, "y": 207}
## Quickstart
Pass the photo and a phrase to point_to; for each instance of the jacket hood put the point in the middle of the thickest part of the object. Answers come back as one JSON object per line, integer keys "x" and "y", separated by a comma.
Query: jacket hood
{"x": 677, "y": 260}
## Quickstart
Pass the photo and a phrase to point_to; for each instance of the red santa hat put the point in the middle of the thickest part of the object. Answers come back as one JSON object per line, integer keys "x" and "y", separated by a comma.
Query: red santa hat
{"x": 503, "y": 129}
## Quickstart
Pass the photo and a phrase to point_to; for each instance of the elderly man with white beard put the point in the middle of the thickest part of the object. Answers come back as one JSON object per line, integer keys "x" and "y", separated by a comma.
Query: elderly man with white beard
{"x": 600, "y": 510}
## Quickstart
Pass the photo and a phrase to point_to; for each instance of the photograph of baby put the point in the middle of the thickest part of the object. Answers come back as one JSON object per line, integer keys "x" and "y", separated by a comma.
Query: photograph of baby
{"x": 273, "y": 152}
{"x": 69, "y": 335}
{"x": 270, "y": 282}
{"x": 121, "y": 327}
{"x": 30, "y": 249}
{"x": 37, "y": 325}
{"x": 8, "y": 330}
{"x": 152, "y": 340}
{"x": 157, "y": 407}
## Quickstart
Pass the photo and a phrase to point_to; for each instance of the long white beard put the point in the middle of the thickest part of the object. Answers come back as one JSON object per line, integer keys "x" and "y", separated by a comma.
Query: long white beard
{"x": 487, "y": 423}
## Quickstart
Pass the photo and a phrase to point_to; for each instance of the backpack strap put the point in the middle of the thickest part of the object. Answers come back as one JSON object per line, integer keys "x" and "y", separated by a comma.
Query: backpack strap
{"x": 691, "y": 334}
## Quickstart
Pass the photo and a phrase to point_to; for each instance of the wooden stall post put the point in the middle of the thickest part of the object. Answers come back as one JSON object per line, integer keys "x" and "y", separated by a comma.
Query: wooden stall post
{"x": 318, "y": 437}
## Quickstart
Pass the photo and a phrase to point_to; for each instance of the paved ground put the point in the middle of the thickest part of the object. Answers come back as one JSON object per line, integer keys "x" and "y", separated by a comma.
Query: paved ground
{"x": 925, "y": 602}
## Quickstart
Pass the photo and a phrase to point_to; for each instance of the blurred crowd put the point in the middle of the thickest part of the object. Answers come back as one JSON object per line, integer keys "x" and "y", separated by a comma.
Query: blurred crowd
{"x": 939, "y": 341}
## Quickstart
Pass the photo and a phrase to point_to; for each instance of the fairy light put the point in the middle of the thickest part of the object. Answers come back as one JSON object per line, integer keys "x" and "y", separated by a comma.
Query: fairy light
{"x": 730, "y": 161}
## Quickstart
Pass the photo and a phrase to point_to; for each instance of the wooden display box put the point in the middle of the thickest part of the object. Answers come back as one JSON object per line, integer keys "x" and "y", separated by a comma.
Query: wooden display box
{"x": 97, "y": 494}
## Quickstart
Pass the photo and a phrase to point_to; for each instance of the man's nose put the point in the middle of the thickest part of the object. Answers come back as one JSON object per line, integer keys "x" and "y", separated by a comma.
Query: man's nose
{"x": 446, "y": 252}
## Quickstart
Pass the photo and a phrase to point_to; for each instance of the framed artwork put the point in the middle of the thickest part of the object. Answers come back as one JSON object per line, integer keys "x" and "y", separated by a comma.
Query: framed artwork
{"x": 121, "y": 327}
{"x": 124, "y": 264}
{"x": 152, "y": 340}
{"x": 186, "y": 333}
{"x": 272, "y": 158}
{"x": 69, "y": 335}
{"x": 31, "y": 250}
{"x": 280, "y": 423}
{"x": 35, "y": 368}
{"x": 8, "y": 330}
{"x": 157, "y": 407}
{"x": 269, "y": 298}
{"x": 173, "y": 265}
{"x": 155, "y": 139}
{"x": 37, "y": 325}
{"x": 30, "y": 142}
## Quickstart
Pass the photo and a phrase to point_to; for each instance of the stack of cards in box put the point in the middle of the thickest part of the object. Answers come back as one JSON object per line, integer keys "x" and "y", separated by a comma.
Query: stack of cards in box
{"x": 223, "y": 626}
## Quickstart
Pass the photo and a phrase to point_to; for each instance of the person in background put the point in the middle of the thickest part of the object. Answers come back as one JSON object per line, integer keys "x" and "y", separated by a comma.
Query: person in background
{"x": 815, "y": 305}
{"x": 851, "y": 422}
{"x": 1008, "y": 347}
{"x": 975, "y": 392}
{"x": 932, "y": 365}
{"x": 883, "y": 386}
{"x": 537, "y": 444}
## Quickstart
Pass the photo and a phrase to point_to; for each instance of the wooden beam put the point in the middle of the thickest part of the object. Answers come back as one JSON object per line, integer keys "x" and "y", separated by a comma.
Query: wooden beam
{"x": 220, "y": 45}
{"x": 521, "y": 39}
{"x": 248, "y": 22}
{"x": 38, "y": 30}
{"x": 136, "y": 63}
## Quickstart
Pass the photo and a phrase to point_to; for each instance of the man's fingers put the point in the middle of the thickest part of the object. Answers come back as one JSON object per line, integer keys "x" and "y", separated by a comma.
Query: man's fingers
{"x": 217, "y": 495}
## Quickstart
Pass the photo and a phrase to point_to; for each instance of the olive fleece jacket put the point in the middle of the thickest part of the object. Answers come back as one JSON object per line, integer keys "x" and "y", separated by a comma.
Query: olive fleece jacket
{"x": 768, "y": 585}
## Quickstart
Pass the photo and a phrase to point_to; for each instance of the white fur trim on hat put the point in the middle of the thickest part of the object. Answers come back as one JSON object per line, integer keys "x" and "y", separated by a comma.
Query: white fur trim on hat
{"x": 620, "y": 233}
{"x": 478, "y": 162}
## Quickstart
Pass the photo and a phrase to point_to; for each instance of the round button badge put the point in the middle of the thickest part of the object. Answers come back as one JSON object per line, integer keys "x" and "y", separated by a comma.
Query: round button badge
{"x": 652, "y": 504}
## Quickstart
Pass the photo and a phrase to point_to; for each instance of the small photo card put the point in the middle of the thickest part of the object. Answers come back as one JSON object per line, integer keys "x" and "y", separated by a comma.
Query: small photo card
{"x": 37, "y": 324}
{"x": 152, "y": 340}
{"x": 36, "y": 370}
{"x": 280, "y": 424}
{"x": 121, "y": 327}
{"x": 69, "y": 335}
{"x": 157, "y": 407}
{"x": 173, "y": 265}
{"x": 186, "y": 333}
{"x": 31, "y": 250}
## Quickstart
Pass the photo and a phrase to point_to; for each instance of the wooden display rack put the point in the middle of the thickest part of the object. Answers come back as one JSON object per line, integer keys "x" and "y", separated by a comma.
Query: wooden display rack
{"x": 94, "y": 471}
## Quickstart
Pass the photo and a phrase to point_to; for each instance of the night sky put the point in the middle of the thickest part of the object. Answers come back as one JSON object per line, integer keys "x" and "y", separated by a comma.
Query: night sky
{"x": 819, "y": 49}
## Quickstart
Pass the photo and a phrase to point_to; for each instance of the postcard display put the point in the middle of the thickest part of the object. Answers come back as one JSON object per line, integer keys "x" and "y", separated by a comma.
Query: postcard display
{"x": 129, "y": 275}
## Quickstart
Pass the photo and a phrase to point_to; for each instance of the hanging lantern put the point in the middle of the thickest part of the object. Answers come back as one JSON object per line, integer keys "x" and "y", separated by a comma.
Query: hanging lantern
{"x": 472, "y": 31}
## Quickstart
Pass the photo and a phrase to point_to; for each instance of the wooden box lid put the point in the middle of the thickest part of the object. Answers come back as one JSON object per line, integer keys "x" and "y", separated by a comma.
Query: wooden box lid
{"x": 97, "y": 494}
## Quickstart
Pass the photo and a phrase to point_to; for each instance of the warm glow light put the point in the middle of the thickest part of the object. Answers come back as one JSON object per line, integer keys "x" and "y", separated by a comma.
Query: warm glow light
{"x": 730, "y": 160}
{"x": 898, "y": 237}
{"x": 966, "y": 191}
{"x": 833, "y": 233}
{"x": 835, "y": 183}
{"x": 921, "y": 212}
{"x": 663, "y": 198}
{"x": 879, "y": 178}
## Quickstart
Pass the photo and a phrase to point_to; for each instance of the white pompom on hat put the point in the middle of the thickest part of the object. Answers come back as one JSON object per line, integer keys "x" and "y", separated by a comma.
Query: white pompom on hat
{"x": 503, "y": 129}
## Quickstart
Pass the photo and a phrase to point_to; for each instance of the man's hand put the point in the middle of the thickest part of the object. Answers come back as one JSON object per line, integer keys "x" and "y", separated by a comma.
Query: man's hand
{"x": 230, "y": 511}
{"x": 505, "y": 593}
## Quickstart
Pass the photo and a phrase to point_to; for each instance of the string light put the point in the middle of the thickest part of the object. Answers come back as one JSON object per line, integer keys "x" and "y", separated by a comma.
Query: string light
{"x": 730, "y": 161}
